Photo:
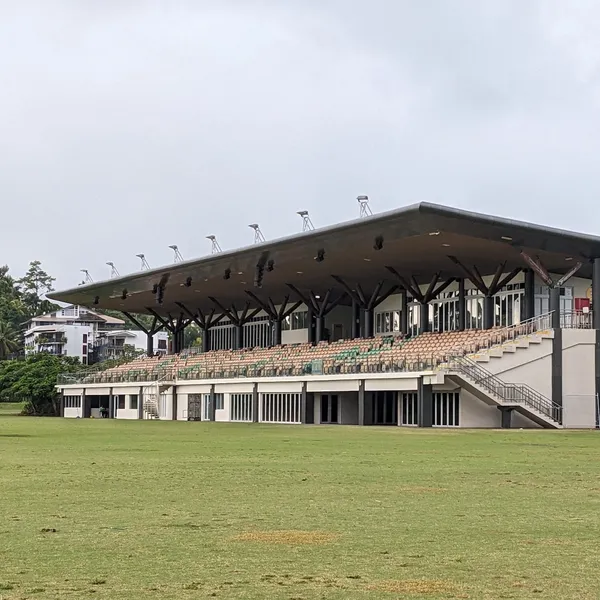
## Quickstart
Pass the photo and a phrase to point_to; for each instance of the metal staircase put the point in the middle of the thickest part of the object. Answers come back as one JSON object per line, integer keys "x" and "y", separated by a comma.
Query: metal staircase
{"x": 490, "y": 388}
{"x": 152, "y": 394}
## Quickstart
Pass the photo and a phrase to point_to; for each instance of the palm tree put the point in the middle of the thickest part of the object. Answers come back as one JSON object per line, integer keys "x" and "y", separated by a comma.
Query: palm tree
{"x": 8, "y": 340}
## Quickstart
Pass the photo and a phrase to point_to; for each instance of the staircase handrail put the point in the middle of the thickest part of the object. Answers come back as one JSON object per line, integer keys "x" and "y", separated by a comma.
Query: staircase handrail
{"x": 496, "y": 337}
{"x": 510, "y": 392}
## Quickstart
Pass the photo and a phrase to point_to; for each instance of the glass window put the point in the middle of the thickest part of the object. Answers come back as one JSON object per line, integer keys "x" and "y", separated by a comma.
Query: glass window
{"x": 285, "y": 324}
{"x": 219, "y": 402}
{"x": 162, "y": 344}
{"x": 121, "y": 402}
{"x": 133, "y": 401}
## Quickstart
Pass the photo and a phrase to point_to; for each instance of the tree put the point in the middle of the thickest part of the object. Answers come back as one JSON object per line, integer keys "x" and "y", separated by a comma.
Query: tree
{"x": 33, "y": 381}
{"x": 33, "y": 286}
{"x": 9, "y": 341}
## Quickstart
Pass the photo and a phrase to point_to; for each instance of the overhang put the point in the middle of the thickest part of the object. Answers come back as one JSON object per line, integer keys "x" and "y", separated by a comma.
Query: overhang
{"x": 415, "y": 240}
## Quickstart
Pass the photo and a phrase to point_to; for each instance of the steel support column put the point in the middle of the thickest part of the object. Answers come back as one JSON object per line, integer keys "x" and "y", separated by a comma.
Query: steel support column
{"x": 369, "y": 322}
{"x": 174, "y": 404}
{"x": 489, "y": 306}
{"x": 404, "y": 314}
{"x": 424, "y": 317}
{"x": 555, "y": 306}
{"x": 150, "y": 344}
{"x": 276, "y": 332}
{"x": 111, "y": 404}
{"x": 319, "y": 329}
{"x": 361, "y": 402}
{"x": 355, "y": 330}
{"x": 462, "y": 305}
{"x": 425, "y": 406}
{"x": 311, "y": 325}
{"x": 86, "y": 406}
{"x": 255, "y": 403}
{"x": 205, "y": 339}
{"x": 303, "y": 404}
{"x": 61, "y": 410}
{"x": 529, "y": 300}
{"x": 140, "y": 406}
{"x": 239, "y": 337}
{"x": 212, "y": 407}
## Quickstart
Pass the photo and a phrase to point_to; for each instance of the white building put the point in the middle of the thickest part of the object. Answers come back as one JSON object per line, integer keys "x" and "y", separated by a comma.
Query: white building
{"x": 87, "y": 335}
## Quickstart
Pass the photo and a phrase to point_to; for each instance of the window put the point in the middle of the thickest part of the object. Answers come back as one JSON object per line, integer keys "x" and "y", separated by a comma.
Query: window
{"x": 387, "y": 322}
{"x": 133, "y": 401}
{"x": 72, "y": 402}
{"x": 85, "y": 338}
{"x": 219, "y": 401}
{"x": 300, "y": 320}
{"x": 446, "y": 410}
{"x": 241, "y": 407}
{"x": 280, "y": 408}
{"x": 286, "y": 324}
{"x": 409, "y": 409}
{"x": 121, "y": 402}
{"x": 162, "y": 344}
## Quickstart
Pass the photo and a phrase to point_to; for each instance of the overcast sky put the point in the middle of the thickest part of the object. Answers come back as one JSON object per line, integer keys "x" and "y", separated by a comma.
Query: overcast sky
{"x": 126, "y": 126}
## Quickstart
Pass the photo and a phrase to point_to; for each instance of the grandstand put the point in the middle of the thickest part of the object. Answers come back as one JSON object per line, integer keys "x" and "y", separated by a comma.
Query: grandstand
{"x": 424, "y": 316}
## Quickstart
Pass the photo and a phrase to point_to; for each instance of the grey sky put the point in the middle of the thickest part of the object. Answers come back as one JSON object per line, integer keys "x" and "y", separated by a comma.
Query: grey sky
{"x": 126, "y": 126}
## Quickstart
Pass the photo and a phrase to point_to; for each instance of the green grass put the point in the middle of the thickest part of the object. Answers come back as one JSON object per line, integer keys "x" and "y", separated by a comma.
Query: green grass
{"x": 125, "y": 510}
{"x": 11, "y": 408}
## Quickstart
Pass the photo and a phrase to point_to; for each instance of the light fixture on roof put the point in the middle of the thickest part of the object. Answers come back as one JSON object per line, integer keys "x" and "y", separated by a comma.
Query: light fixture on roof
{"x": 145, "y": 266}
{"x": 506, "y": 238}
{"x": 569, "y": 258}
{"x": 215, "y": 248}
{"x": 446, "y": 245}
{"x": 113, "y": 270}
{"x": 367, "y": 259}
{"x": 307, "y": 224}
{"x": 365, "y": 209}
{"x": 258, "y": 235}
{"x": 434, "y": 233}
{"x": 177, "y": 258}
{"x": 88, "y": 277}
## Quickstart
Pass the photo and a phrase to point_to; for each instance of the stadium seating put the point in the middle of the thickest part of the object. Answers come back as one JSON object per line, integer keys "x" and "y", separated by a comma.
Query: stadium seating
{"x": 380, "y": 354}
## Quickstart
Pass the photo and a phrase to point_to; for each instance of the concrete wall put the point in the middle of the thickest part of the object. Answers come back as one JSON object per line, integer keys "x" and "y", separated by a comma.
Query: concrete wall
{"x": 294, "y": 336}
{"x": 532, "y": 366}
{"x": 73, "y": 413}
{"x": 126, "y": 413}
{"x": 475, "y": 413}
{"x": 579, "y": 384}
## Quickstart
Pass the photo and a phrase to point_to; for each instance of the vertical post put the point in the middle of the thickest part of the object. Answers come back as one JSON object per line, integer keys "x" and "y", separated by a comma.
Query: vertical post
{"x": 255, "y": 403}
{"x": 86, "y": 405}
{"x": 239, "y": 341}
{"x": 424, "y": 320}
{"x": 212, "y": 405}
{"x": 404, "y": 314}
{"x": 369, "y": 322}
{"x": 205, "y": 339}
{"x": 174, "y": 404}
{"x": 150, "y": 344}
{"x": 555, "y": 307}
{"x": 320, "y": 328}
{"x": 112, "y": 405}
{"x": 61, "y": 410}
{"x": 140, "y": 407}
{"x": 303, "y": 405}
{"x": 355, "y": 330}
{"x": 462, "y": 305}
{"x": 529, "y": 303}
{"x": 276, "y": 332}
{"x": 425, "y": 407}
{"x": 596, "y": 325}
{"x": 311, "y": 325}
{"x": 361, "y": 402}
{"x": 489, "y": 306}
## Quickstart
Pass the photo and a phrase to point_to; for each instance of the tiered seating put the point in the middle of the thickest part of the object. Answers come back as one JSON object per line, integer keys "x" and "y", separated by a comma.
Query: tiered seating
{"x": 379, "y": 354}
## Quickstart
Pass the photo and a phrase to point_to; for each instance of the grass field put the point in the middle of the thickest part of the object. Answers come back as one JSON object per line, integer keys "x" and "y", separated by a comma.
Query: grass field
{"x": 10, "y": 408}
{"x": 126, "y": 510}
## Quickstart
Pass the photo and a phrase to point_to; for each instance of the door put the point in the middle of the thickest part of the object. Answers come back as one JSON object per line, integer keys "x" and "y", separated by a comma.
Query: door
{"x": 329, "y": 408}
{"x": 194, "y": 407}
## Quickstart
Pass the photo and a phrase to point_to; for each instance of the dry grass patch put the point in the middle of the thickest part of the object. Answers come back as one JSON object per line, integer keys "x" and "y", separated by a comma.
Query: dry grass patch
{"x": 293, "y": 538}
{"x": 413, "y": 586}
{"x": 421, "y": 489}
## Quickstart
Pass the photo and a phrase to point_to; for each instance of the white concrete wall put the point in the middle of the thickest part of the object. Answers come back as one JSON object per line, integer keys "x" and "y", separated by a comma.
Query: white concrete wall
{"x": 224, "y": 413}
{"x": 182, "y": 407}
{"x": 579, "y": 383}
{"x": 475, "y": 413}
{"x": 294, "y": 336}
{"x": 73, "y": 413}
{"x": 532, "y": 366}
{"x": 126, "y": 413}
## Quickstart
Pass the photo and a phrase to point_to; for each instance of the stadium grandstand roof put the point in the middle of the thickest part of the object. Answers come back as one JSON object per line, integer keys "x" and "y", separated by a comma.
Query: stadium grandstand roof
{"x": 416, "y": 240}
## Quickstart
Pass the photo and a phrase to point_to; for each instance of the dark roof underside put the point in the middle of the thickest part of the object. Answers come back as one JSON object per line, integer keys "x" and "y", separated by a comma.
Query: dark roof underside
{"x": 417, "y": 240}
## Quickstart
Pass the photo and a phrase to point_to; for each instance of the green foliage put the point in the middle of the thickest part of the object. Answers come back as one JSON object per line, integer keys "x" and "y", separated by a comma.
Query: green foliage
{"x": 20, "y": 300}
{"x": 32, "y": 380}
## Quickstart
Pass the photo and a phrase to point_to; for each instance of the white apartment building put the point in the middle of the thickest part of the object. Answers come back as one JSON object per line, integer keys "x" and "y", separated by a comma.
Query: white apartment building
{"x": 87, "y": 335}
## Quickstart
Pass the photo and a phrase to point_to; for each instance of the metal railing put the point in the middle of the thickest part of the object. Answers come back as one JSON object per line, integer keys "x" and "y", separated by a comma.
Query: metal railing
{"x": 576, "y": 319}
{"x": 519, "y": 393}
